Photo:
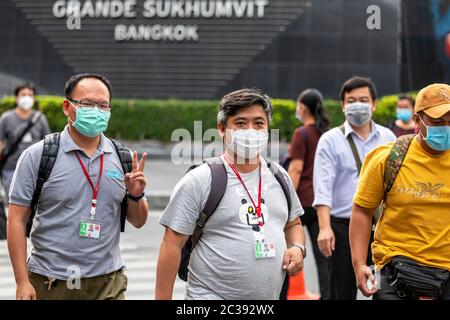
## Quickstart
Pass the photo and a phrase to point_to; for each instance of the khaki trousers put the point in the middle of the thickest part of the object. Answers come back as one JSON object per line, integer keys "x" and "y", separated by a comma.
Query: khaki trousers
{"x": 111, "y": 286}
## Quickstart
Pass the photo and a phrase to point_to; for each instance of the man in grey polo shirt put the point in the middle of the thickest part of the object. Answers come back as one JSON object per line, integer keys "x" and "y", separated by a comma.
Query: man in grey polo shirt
{"x": 75, "y": 238}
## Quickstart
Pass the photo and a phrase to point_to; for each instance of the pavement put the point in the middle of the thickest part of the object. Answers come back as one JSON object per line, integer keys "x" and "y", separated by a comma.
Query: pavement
{"x": 196, "y": 149}
{"x": 140, "y": 250}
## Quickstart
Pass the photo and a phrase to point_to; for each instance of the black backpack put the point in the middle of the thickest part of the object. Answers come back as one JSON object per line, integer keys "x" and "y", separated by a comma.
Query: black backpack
{"x": 48, "y": 159}
{"x": 219, "y": 179}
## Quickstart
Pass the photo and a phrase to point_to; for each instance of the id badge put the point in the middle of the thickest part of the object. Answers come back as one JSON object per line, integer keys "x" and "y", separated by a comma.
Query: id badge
{"x": 90, "y": 229}
{"x": 264, "y": 249}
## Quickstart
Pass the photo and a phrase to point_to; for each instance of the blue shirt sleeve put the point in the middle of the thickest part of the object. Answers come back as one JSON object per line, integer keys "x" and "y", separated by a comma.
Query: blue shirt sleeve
{"x": 325, "y": 164}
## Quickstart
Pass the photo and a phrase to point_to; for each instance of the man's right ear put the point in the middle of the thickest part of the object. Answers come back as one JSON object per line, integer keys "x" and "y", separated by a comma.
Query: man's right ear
{"x": 66, "y": 106}
{"x": 416, "y": 118}
{"x": 221, "y": 129}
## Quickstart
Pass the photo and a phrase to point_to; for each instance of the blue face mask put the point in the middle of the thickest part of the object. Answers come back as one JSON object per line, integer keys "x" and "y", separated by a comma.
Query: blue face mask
{"x": 438, "y": 137}
{"x": 404, "y": 114}
{"x": 90, "y": 122}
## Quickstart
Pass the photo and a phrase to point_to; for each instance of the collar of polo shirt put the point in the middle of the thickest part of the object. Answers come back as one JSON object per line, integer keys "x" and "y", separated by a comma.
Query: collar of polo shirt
{"x": 69, "y": 145}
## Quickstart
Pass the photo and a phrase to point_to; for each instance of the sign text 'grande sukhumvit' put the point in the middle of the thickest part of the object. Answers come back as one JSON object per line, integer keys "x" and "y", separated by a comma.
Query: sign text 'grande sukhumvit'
{"x": 75, "y": 10}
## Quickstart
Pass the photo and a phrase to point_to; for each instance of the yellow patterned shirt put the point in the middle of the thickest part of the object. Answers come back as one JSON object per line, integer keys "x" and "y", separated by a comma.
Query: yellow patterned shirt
{"x": 416, "y": 222}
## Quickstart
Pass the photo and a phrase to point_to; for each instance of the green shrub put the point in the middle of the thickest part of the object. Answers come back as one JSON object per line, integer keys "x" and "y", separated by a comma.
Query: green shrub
{"x": 134, "y": 119}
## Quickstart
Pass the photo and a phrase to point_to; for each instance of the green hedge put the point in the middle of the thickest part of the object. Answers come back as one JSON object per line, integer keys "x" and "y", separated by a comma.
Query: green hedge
{"x": 156, "y": 119}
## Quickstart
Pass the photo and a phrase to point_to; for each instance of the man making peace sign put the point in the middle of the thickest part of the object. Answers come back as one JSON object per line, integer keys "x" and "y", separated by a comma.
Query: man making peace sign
{"x": 76, "y": 231}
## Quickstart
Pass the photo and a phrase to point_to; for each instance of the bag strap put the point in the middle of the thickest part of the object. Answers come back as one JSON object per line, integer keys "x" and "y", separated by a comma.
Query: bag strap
{"x": 354, "y": 150}
{"x": 304, "y": 133}
{"x": 126, "y": 159}
{"x": 11, "y": 149}
{"x": 305, "y": 137}
{"x": 395, "y": 160}
{"x": 282, "y": 181}
{"x": 218, "y": 188}
{"x": 48, "y": 159}
{"x": 219, "y": 178}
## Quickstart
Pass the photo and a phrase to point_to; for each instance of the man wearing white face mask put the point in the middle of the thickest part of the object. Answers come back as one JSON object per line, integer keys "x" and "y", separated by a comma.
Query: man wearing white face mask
{"x": 19, "y": 129}
{"x": 255, "y": 235}
{"x": 339, "y": 155}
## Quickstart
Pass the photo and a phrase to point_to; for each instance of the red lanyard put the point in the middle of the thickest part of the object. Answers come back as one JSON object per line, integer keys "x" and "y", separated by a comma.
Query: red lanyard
{"x": 94, "y": 189}
{"x": 258, "y": 208}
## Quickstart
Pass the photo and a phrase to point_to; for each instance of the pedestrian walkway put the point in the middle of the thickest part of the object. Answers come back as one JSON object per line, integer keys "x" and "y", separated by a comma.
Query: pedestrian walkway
{"x": 7, "y": 284}
{"x": 140, "y": 250}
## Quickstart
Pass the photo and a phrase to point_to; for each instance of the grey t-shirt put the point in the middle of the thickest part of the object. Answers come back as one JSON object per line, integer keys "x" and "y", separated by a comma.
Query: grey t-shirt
{"x": 57, "y": 248}
{"x": 223, "y": 264}
{"x": 11, "y": 127}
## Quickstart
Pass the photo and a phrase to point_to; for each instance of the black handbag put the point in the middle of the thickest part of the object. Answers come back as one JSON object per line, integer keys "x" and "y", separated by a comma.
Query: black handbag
{"x": 411, "y": 280}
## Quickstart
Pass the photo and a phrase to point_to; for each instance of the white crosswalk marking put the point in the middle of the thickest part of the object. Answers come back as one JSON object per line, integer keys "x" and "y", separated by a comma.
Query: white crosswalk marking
{"x": 141, "y": 273}
{"x": 7, "y": 283}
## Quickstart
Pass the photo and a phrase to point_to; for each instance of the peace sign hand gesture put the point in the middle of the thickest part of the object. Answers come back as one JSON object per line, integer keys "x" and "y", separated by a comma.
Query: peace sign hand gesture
{"x": 135, "y": 181}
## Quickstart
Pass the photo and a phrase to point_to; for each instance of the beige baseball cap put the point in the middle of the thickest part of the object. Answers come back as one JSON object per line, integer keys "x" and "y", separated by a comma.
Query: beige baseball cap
{"x": 434, "y": 100}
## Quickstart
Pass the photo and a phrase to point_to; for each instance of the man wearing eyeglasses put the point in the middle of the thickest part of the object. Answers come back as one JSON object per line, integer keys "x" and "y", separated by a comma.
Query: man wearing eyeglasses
{"x": 76, "y": 231}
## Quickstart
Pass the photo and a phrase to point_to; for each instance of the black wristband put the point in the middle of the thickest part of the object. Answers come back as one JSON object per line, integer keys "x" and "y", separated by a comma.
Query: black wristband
{"x": 136, "y": 198}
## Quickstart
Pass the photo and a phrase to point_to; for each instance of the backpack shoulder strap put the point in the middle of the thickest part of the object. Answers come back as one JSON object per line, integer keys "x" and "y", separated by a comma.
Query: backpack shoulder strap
{"x": 305, "y": 136}
{"x": 48, "y": 159}
{"x": 126, "y": 159}
{"x": 219, "y": 178}
{"x": 282, "y": 181}
{"x": 125, "y": 155}
{"x": 395, "y": 160}
{"x": 304, "y": 133}
{"x": 354, "y": 150}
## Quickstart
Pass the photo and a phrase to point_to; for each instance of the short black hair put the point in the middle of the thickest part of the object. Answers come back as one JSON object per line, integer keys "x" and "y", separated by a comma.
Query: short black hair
{"x": 409, "y": 98}
{"x": 27, "y": 85}
{"x": 240, "y": 99}
{"x": 72, "y": 82}
{"x": 358, "y": 82}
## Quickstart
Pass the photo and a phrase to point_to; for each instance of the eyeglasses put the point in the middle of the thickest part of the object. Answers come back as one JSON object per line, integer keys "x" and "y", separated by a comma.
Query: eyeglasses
{"x": 106, "y": 106}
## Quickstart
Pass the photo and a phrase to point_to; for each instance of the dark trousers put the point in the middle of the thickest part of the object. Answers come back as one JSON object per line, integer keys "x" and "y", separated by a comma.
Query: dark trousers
{"x": 343, "y": 281}
{"x": 386, "y": 291}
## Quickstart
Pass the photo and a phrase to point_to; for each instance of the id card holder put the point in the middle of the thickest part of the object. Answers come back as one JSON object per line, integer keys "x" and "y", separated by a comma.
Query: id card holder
{"x": 264, "y": 249}
{"x": 90, "y": 229}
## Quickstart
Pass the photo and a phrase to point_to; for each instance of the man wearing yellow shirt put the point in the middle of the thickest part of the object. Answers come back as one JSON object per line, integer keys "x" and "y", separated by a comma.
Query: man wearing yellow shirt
{"x": 412, "y": 239}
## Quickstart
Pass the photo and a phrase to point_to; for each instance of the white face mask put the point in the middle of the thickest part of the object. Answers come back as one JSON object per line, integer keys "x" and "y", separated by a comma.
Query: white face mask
{"x": 297, "y": 114}
{"x": 25, "y": 102}
{"x": 358, "y": 113}
{"x": 248, "y": 143}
